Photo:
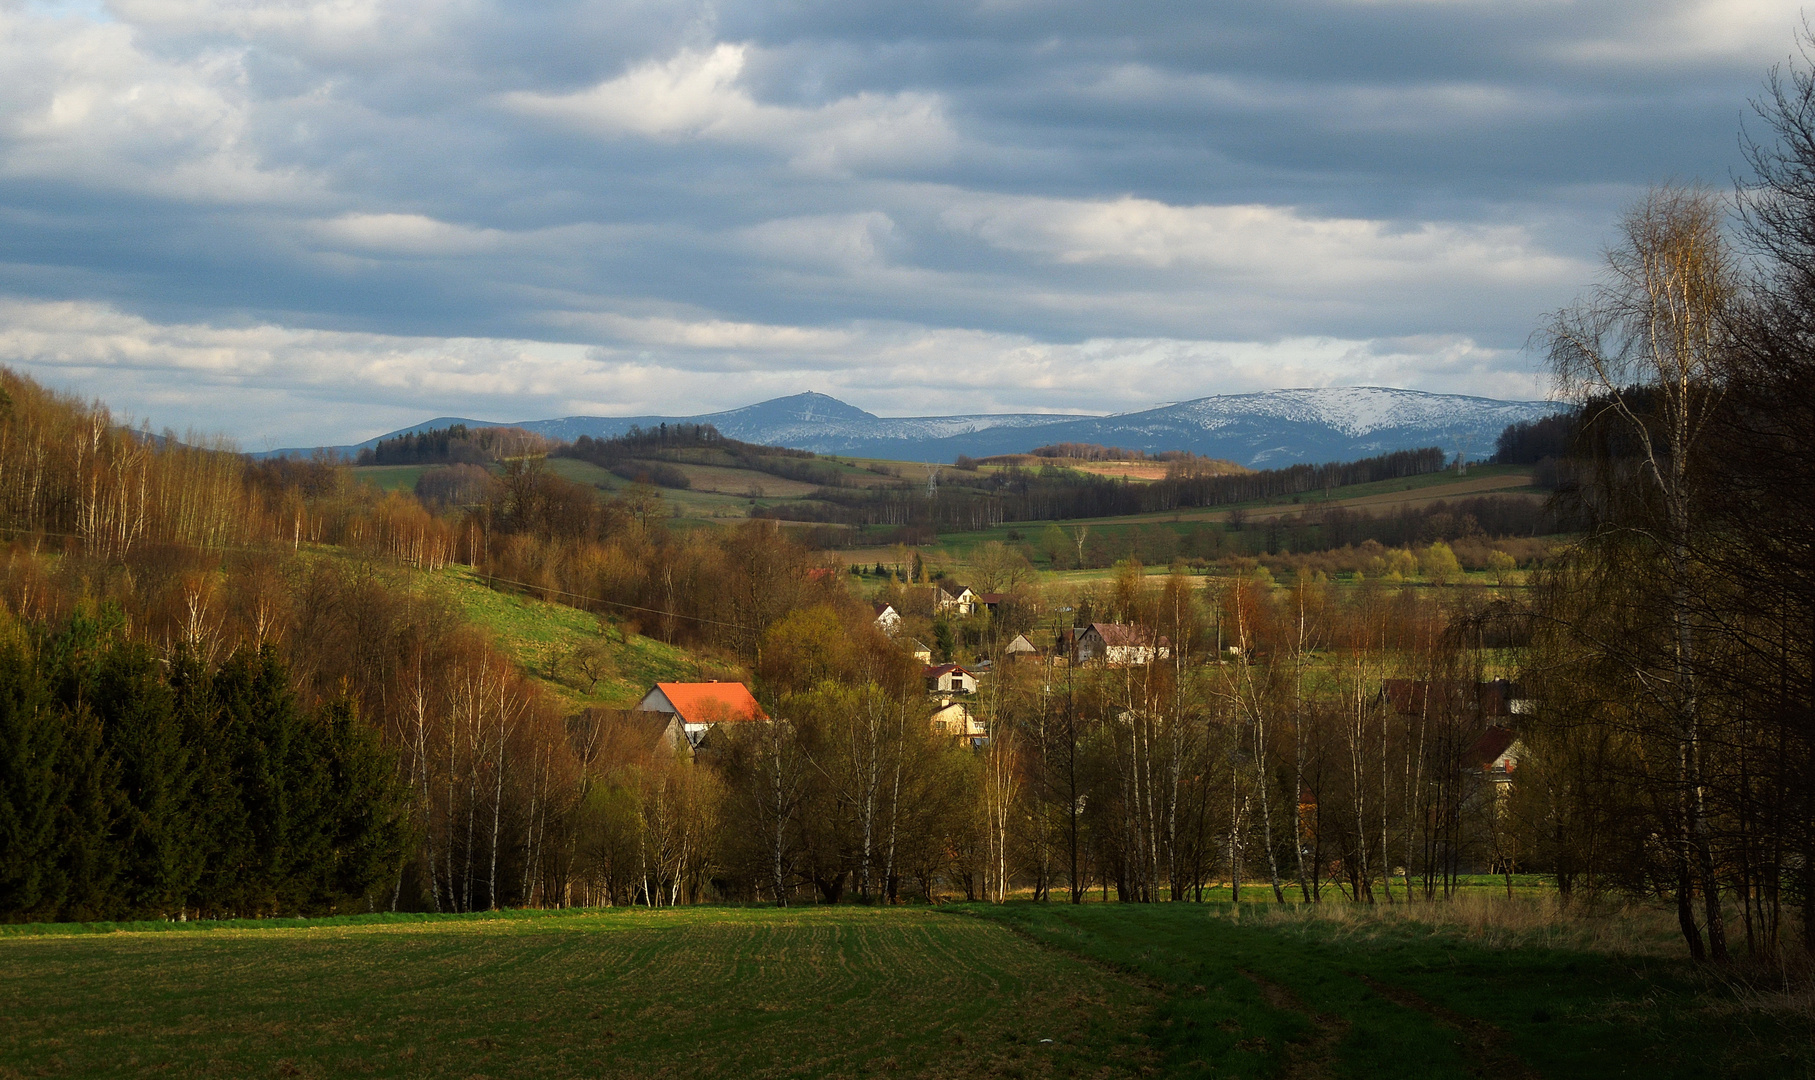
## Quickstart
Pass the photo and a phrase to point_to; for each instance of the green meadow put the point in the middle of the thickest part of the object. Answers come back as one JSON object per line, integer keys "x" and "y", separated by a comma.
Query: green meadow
{"x": 1020, "y": 990}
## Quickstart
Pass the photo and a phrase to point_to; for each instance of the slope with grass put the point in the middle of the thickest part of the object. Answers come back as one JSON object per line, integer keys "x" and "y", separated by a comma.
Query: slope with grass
{"x": 389, "y": 477}
{"x": 544, "y": 638}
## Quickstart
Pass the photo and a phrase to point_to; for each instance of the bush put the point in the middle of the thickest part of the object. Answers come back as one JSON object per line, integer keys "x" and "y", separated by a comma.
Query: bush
{"x": 659, "y": 473}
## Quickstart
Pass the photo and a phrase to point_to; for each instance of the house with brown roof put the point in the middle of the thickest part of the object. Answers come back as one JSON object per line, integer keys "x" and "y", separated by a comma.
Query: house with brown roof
{"x": 954, "y": 599}
{"x": 1119, "y": 645}
{"x": 626, "y": 735}
{"x": 1456, "y": 697}
{"x": 950, "y": 679}
{"x": 1496, "y": 755}
{"x": 703, "y": 705}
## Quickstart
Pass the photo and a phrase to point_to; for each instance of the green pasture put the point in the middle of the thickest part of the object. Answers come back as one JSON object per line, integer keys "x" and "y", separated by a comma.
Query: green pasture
{"x": 1019, "y": 990}
{"x": 1264, "y": 991}
{"x": 390, "y": 477}
{"x": 615, "y": 993}
{"x": 543, "y": 637}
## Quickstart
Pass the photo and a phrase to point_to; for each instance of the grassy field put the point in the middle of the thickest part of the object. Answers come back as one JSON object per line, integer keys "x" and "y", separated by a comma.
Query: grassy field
{"x": 619, "y": 993}
{"x": 543, "y": 636}
{"x": 1340, "y": 991}
{"x": 1381, "y": 497}
{"x": 722, "y": 494}
{"x": 1019, "y": 990}
{"x": 389, "y": 477}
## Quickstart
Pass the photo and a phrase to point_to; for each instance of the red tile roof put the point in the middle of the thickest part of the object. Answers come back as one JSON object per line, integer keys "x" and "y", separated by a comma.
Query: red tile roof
{"x": 711, "y": 702}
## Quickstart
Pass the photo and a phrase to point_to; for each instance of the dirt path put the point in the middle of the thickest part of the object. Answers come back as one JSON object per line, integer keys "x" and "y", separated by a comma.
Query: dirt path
{"x": 1314, "y": 1060}
{"x": 1487, "y": 1045}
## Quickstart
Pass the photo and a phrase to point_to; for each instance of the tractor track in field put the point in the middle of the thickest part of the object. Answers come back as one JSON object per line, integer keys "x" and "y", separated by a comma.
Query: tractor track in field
{"x": 1312, "y": 1060}
{"x": 1488, "y": 1049}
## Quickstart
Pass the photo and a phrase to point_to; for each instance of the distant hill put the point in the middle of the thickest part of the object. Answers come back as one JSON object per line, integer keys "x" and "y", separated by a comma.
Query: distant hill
{"x": 1266, "y": 429}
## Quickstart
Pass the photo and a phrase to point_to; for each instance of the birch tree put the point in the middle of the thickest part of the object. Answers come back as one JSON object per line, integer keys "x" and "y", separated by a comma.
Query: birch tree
{"x": 1641, "y": 356}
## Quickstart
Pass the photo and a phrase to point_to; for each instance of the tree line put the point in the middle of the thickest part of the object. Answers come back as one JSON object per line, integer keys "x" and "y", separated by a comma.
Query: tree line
{"x": 1676, "y": 751}
{"x": 986, "y": 499}
{"x": 136, "y": 786}
{"x": 455, "y": 444}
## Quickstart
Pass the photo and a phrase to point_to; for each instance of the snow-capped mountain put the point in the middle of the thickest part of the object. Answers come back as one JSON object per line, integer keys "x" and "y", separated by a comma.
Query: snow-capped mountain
{"x": 1266, "y": 429}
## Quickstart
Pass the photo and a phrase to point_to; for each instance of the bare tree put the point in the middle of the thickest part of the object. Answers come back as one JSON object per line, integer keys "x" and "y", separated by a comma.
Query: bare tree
{"x": 1641, "y": 354}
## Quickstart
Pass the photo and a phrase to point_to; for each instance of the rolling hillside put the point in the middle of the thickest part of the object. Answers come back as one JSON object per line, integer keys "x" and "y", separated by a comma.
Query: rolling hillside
{"x": 1268, "y": 429}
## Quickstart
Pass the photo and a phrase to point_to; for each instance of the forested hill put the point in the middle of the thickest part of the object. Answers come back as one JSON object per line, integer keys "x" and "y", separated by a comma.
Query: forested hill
{"x": 1272, "y": 428}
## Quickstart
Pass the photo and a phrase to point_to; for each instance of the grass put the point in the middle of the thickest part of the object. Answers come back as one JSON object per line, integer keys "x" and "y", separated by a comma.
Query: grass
{"x": 542, "y": 637}
{"x": 1483, "y": 986}
{"x": 1500, "y": 988}
{"x": 678, "y": 992}
{"x": 390, "y": 477}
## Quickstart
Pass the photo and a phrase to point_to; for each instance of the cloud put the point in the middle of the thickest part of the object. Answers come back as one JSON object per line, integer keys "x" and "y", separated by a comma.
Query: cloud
{"x": 699, "y": 95}
{"x": 279, "y": 216}
{"x": 1755, "y": 31}
{"x": 1249, "y": 241}
{"x": 83, "y": 103}
{"x": 407, "y": 234}
{"x": 261, "y": 383}
{"x": 838, "y": 241}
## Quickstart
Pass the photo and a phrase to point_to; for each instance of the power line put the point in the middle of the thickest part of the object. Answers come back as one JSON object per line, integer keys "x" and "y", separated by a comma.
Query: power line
{"x": 619, "y": 603}
{"x": 489, "y": 578}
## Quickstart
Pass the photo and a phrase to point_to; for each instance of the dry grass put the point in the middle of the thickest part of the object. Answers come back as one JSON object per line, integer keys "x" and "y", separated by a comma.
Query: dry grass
{"x": 725, "y": 480}
{"x": 1493, "y": 921}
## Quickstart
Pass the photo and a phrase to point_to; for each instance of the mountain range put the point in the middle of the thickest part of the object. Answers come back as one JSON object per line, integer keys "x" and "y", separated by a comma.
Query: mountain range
{"x": 1268, "y": 429}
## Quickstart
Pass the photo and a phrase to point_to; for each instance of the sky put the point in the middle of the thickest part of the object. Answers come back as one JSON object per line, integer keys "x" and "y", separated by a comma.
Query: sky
{"x": 313, "y": 222}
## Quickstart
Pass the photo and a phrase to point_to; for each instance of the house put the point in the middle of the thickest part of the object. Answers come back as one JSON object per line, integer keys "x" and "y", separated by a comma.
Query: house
{"x": 703, "y": 705}
{"x": 992, "y": 602}
{"x": 1457, "y": 697}
{"x": 1020, "y": 648}
{"x": 920, "y": 651}
{"x": 954, "y": 600}
{"x": 620, "y": 735}
{"x": 950, "y": 679}
{"x": 1119, "y": 645}
{"x": 888, "y": 620}
{"x": 955, "y": 718}
{"x": 1496, "y": 755}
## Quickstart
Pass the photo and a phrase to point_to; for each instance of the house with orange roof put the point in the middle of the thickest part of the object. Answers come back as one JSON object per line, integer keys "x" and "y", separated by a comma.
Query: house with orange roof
{"x": 702, "y": 706}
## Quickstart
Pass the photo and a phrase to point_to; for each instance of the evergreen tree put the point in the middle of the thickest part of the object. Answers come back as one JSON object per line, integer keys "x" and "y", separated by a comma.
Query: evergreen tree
{"x": 161, "y": 857}
{"x": 370, "y": 830}
{"x": 31, "y": 792}
{"x": 282, "y": 780}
